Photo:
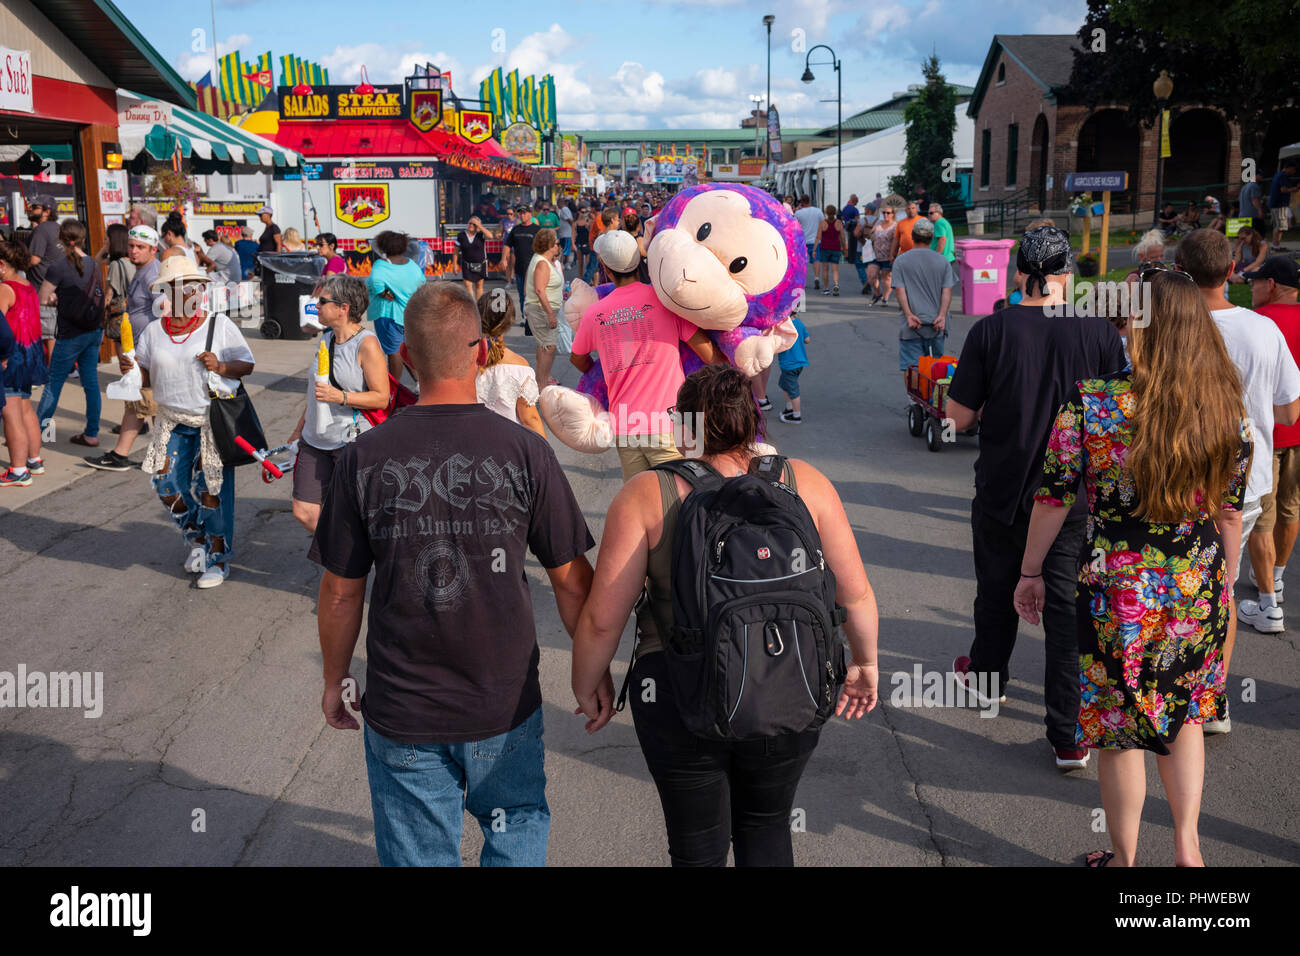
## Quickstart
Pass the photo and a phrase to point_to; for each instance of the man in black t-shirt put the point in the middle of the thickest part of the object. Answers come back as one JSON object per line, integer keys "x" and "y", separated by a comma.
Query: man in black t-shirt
{"x": 519, "y": 249}
{"x": 442, "y": 502}
{"x": 1017, "y": 367}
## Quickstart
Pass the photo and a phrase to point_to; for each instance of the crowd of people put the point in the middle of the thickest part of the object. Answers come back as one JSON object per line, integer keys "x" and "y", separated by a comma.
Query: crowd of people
{"x": 1126, "y": 462}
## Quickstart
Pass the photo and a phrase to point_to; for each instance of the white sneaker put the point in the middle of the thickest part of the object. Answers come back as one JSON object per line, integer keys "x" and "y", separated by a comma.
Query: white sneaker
{"x": 213, "y": 576}
{"x": 1264, "y": 620}
{"x": 198, "y": 560}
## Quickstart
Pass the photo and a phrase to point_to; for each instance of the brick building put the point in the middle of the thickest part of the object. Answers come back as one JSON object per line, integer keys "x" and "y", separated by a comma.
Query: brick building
{"x": 1027, "y": 137}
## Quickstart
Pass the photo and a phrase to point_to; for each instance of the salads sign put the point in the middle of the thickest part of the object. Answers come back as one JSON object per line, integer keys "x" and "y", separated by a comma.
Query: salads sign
{"x": 340, "y": 102}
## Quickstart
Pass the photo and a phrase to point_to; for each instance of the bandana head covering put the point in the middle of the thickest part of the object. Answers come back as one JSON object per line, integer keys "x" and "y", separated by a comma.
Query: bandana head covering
{"x": 1044, "y": 251}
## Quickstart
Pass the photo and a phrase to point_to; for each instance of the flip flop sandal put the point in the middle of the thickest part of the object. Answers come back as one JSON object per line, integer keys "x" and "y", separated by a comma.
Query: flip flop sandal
{"x": 1098, "y": 858}
{"x": 80, "y": 439}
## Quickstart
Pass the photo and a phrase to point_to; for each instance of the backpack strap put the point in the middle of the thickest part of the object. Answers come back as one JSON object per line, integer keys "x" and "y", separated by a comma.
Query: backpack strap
{"x": 771, "y": 467}
{"x": 697, "y": 473}
{"x": 333, "y": 381}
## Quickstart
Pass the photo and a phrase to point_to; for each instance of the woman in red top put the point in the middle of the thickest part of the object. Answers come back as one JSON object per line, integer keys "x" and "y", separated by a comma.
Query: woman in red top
{"x": 831, "y": 243}
{"x": 26, "y": 367}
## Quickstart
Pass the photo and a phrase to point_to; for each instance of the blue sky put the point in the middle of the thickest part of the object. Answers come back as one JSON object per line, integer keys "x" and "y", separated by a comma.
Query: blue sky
{"x": 662, "y": 64}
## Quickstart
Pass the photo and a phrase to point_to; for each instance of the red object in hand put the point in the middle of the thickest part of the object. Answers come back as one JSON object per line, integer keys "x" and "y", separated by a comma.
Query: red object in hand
{"x": 266, "y": 463}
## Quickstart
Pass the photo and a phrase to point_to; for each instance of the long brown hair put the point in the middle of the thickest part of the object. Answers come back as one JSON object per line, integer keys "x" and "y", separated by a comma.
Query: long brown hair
{"x": 72, "y": 235}
{"x": 1188, "y": 407}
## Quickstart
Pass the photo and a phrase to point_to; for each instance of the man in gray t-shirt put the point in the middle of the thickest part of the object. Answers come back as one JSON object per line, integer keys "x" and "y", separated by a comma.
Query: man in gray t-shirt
{"x": 924, "y": 281}
{"x": 1250, "y": 202}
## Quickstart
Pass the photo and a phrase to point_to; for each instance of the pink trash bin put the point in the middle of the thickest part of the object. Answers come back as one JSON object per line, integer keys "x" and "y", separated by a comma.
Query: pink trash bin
{"x": 984, "y": 276}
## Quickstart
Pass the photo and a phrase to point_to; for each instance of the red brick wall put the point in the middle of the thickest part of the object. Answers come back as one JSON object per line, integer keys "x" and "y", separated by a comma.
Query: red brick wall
{"x": 1018, "y": 100}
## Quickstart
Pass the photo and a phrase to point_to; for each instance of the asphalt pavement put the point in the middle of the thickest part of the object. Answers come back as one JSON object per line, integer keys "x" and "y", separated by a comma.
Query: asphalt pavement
{"x": 211, "y": 748}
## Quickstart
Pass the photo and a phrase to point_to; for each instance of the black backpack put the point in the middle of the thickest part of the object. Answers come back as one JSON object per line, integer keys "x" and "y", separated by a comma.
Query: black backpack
{"x": 754, "y": 649}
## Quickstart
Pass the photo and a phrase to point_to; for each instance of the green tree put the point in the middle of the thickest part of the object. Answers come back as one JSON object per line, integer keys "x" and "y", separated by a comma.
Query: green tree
{"x": 931, "y": 121}
{"x": 1238, "y": 56}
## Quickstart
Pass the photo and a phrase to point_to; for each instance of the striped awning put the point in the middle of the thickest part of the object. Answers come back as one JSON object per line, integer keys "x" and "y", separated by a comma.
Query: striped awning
{"x": 175, "y": 128}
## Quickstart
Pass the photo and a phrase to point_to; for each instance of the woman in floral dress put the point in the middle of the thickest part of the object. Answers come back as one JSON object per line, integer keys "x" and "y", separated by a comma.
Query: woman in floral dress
{"x": 1164, "y": 452}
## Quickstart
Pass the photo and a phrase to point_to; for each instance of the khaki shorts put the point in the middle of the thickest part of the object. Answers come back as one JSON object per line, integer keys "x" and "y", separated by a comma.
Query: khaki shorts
{"x": 541, "y": 326}
{"x": 638, "y": 453}
{"x": 1283, "y": 503}
{"x": 1281, "y": 217}
{"x": 146, "y": 407}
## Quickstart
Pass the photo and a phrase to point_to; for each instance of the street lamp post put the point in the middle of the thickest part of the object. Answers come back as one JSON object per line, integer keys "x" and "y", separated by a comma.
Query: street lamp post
{"x": 839, "y": 123}
{"x": 768, "y": 20}
{"x": 1163, "y": 88}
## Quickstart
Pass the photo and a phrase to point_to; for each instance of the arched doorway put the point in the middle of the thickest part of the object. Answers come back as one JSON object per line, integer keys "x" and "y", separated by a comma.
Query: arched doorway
{"x": 1108, "y": 142}
{"x": 1038, "y": 153}
{"x": 1198, "y": 147}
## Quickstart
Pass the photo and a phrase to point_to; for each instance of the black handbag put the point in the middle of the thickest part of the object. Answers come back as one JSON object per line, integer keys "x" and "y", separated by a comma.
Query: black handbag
{"x": 234, "y": 416}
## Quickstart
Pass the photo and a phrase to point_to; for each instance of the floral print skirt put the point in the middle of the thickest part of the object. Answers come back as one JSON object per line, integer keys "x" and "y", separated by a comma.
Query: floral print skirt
{"x": 1151, "y": 635}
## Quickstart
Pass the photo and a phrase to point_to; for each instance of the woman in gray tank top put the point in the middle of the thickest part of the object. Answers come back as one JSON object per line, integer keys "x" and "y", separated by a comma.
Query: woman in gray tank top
{"x": 716, "y": 795}
{"x": 358, "y": 382}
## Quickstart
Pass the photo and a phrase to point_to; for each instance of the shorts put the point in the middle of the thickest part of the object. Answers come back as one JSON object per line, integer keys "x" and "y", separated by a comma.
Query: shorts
{"x": 18, "y": 392}
{"x": 565, "y": 244}
{"x": 49, "y": 321}
{"x": 812, "y": 247}
{"x": 1283, "y": 503}
{"x": 911, "y": 350}
{"x": 789, "y": 380}
{"x": 884, "y": 265}
{"x": 638, "y": 453}
{"x": 473, "y": 271}
{"x": 1281, "y": 217}
{"x": 146, "y": 407}
{"x": 1250, "y": 512}
{"x": 391, "y": 335}
{"x": 828, "y": 255}
{"x": 312, "y": 472}
{"x": 536, "y": 318}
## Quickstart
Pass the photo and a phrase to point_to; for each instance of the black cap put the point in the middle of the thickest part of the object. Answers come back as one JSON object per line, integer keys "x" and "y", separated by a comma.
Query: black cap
{"x": 1281, "y": 269}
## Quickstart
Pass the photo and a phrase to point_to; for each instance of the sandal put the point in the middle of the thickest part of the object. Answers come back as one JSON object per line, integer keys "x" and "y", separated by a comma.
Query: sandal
{"x": 81, "y": 439}
{"x": 1098, "y": 858}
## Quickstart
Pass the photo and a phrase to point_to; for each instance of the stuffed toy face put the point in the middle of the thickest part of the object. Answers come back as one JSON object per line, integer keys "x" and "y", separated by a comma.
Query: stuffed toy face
{"x": 723, "y": 256}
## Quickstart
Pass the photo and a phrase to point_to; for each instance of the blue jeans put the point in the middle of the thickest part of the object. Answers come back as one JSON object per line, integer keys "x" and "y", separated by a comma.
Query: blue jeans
{"x": 419, "y": 794}
{"x": 184, "y": 479}
{"x": 911, "y": 350}
{"x": 589, "y": 273}
{"x": 83, "y": 351}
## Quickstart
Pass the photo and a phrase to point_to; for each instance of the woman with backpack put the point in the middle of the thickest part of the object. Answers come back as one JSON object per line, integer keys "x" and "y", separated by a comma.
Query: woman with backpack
{"x": 758, "y": 653}
{"x": 358, "y": 382}
{"x": 73, "y": 286}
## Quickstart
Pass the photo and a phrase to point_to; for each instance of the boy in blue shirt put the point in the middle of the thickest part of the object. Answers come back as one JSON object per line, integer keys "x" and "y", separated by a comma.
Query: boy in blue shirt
{"x": 793, "y": 361}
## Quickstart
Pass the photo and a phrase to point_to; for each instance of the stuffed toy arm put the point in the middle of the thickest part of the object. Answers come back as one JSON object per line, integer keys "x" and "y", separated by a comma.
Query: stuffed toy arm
{"x": 751, "y": 350}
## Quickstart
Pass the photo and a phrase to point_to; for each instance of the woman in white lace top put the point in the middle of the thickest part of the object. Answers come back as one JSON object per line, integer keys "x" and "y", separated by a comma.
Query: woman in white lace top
{"x": 507, "y": 384}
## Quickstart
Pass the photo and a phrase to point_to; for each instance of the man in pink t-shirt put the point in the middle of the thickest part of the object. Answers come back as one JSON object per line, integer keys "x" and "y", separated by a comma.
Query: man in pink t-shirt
{"x": 637, "y": 340}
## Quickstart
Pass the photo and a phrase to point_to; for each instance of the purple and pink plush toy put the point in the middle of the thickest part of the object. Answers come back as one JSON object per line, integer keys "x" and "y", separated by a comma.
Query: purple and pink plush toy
{"x": 725, "y": 257}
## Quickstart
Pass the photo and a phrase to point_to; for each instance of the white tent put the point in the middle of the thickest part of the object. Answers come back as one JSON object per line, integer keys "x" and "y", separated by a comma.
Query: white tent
{"x": 1292, "y": 150}
{"x": 867, "y": 164}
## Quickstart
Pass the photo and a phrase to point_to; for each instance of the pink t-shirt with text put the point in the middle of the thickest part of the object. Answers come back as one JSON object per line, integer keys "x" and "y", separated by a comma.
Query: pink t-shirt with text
{"x": 637, "y": 339}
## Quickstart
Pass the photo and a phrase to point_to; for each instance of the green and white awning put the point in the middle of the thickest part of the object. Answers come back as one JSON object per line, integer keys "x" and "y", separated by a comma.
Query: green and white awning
{"x": 161, "y": 129}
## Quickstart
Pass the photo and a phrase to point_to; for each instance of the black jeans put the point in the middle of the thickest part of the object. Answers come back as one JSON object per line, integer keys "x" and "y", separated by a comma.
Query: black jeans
{"x": 998, "y": 552}
{"x": 715, "y": 793}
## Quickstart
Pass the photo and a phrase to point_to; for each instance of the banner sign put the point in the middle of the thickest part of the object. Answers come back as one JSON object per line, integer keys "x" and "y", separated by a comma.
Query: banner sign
{"x": 475, "y": 125}
{"x": 774, "y": 134}
{"x": 16, "y": 80}
{"x": 425, "y": 109}
{"x": 232, "y": 228}
{"x": 1114, "y": 182}
{"x": 1164, "y": 135}
{"x": 1235, "y": 225}
{"x": 209, "y": 207}
{"x": 569, "y": 150}
{"x": 684, "y": 170}
{"x": 566, "y": 176}
{"x": 341, "y": 103}
{"x": 523, "y": 142}
{"x": 112, "y": 191}
{"x": 416, "y": 169}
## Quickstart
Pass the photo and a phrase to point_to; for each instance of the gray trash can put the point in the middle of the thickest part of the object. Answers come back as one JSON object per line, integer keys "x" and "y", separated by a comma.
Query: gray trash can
{"x": 285, "y": 276}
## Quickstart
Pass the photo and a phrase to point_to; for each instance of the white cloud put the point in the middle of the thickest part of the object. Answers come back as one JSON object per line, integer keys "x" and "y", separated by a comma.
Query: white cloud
{"x": 715, "y": 81}
{"x": 1057, "y": 21}
{"x": 643, "y": 88}
{"x": 192, "y": 66}
{"x": 883, "y": 19}
{"x": 384, "y": 63}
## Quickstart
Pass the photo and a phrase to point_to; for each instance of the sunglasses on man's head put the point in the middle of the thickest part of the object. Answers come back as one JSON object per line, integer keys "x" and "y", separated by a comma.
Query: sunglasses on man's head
{"x": 1151, "y": 268}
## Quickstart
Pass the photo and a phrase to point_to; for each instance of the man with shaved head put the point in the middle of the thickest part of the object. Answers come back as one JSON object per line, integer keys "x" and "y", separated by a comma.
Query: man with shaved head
{"x": 442, "y": 501}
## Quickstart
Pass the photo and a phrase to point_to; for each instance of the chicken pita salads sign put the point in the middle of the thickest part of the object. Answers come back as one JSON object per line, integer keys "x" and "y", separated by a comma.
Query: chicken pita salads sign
{"x": 362, "y": 206}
